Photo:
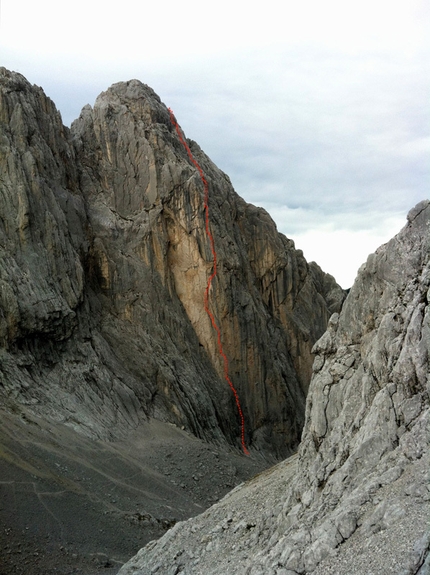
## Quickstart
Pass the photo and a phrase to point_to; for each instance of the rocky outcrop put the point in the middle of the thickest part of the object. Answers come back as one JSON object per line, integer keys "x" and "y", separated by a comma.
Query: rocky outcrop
{"x": 356, "y": 498}
{"x": 104, "y": 263}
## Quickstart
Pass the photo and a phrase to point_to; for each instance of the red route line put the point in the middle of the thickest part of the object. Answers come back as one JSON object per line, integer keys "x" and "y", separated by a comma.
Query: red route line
{"x": 211, "y": 277}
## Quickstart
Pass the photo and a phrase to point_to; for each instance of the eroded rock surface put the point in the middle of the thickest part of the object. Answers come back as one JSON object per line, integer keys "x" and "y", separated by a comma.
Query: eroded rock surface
{"x": 356, "y": 498}
{"x": 104, "y": 263}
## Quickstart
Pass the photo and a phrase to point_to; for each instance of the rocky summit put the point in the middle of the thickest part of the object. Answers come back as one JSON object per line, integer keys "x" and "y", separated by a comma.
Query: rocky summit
{"x": 117, "y": 423}
{"x": 116, "y": 417}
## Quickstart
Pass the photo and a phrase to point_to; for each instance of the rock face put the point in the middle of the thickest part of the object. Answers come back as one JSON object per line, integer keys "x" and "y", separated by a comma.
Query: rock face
{"x": 356, "y": 498}
{"x": 103, "y": 265}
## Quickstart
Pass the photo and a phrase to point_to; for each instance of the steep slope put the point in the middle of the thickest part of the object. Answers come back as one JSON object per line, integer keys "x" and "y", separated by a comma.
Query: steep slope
{"x": 104, "y": 263}
{"x": 356, "y": 498}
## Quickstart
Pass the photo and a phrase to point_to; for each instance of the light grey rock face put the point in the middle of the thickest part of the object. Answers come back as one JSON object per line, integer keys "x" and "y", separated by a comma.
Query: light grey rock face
{"x": 42, "y": 217}
{"x": 52, "y": 357}
{"x": 152, "y": 260}
{"x": 104, "y": 263}
{"x": 359, "y": 499}
{"x": 371, "y": 369}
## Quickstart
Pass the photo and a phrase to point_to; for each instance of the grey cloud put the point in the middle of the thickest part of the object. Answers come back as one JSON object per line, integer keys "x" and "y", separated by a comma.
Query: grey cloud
{"x": 314, "y": 136}
{"x": 315, "y": 130}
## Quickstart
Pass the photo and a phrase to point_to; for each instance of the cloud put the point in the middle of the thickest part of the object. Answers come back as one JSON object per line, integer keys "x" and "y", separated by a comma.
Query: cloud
{"x": 342, "y": 252}
{"x": 338, "y": 146}
{"x": 339, "y": 243}
{"x": 143, "y": 31}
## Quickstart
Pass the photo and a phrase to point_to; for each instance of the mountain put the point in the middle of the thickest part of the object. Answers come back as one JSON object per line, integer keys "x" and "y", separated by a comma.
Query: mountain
{"x": 109, "y": 362}
{"x": 355, "y": 499}
{"x": 104, "y": 267}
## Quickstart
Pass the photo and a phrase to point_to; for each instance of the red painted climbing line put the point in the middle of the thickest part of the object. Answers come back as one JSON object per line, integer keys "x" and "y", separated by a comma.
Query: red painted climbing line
{"x": 211, "y": 277}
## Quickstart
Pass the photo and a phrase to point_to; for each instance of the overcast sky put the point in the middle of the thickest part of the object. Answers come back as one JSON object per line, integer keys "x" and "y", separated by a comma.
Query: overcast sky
{"x": 318, "y": 111}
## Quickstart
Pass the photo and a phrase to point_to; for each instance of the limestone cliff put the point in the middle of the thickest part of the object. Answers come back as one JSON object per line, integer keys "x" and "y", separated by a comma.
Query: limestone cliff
{"x": 356, "y": 498}
{"x": 104, "y": 263}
